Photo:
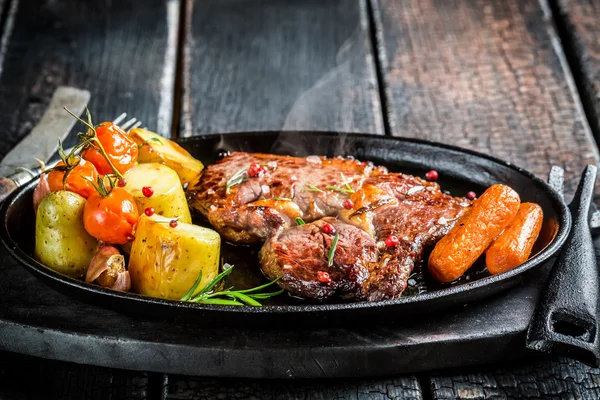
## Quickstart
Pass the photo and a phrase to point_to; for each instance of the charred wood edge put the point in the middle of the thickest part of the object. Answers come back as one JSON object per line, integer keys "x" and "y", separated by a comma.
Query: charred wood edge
{"x": 182, "y": 36}
{"x": 157, "y": 386}
{"x": 8, "y": 10}
{"x": 380, "y": 60}
{"x": 574, "y": 53}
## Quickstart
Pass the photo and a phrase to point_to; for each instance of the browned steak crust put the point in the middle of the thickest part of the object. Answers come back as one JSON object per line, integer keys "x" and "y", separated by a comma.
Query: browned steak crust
{"x": 253, "y": 210}
{"x": 314, "y": 188}
{"x": 415, "y": 211}
{"x": 298, "y": 254}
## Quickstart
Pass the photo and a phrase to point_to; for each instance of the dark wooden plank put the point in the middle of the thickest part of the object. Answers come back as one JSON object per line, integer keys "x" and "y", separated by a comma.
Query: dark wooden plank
{"x": 544, "y": 379}
{"x": 270, "y": 65}
{"x": 485, "y": 75}
{"x": 185, "y": 388}
{"x": 30, "y": 378}
{"x": 489, "y": 76}
{"x": 123, "y": 52}
{"x": 577, "y": 22}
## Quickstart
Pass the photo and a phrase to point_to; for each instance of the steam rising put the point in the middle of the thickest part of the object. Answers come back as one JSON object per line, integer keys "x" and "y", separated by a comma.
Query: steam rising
{"x": 335, "y": 102}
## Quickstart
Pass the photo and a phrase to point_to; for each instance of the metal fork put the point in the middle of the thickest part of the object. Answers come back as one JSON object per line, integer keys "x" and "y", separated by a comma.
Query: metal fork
{"x": 25, "y": 175}
{"x": 129, "y": 124}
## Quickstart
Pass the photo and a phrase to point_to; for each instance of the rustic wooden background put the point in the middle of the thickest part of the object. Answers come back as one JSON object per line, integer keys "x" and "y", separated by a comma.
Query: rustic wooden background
{"x": 518, "y": 79}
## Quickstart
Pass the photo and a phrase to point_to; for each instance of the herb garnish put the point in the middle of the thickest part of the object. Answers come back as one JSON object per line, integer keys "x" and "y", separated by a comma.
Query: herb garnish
{"x": 100, "y": 185}
{"x": 231, "y": 297}
{"x": 300, "y": 221}
{"x": 340, "y": 189}
{"x": 281, "y": 199}
{"x": 236, "y": 179}
{"x": 156, "y": 140}
{"x": 166, "y": 220}
{"x": 414, "y": 190}
{"x": 346, "y": 186}
{"x": 311, "y": 188}
{"x": 332, "y": 249}
{"x": 88, "y": 139}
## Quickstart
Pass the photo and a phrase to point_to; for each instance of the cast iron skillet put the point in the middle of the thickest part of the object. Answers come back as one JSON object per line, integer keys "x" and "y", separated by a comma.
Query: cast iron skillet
{"x": 460, "y": 171}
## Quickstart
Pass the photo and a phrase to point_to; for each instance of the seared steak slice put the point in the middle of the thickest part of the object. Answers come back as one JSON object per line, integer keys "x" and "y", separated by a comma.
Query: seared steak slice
{"x": 256, "y": 207}
{"x": 413, "y": 210}
{"x": 300, "y": 254}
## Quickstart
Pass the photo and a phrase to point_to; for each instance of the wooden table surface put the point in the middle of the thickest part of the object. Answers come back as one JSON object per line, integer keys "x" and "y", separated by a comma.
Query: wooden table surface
{"x": 518, "y": 79}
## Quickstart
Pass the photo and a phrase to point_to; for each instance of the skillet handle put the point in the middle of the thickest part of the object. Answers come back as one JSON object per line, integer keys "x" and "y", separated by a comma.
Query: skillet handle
{"x": 565, "y": 321}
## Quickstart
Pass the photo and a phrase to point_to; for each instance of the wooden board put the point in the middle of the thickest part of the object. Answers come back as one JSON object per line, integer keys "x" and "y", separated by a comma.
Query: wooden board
{"x": 185, "y": 388}
{"x": 65, "y": 381}
{"x": 271, "y": 65}
{"x": 577, "y": 22}
{"x": 123, "y": 52}
{"x": 485, "y": 75}
{"x": 490, "y": 76}
{"x": 546, "y": 379}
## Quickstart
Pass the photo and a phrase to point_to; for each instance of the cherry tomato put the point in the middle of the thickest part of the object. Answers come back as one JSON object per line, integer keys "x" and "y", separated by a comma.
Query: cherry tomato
{"x": 110, "y": 218}
{"x": 121, "y": 150}
{"x": 76, "y": 180}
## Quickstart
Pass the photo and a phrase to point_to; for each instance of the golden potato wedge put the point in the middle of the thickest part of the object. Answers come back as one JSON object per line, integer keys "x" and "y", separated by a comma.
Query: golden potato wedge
{"x": 61, "y": 241}
{"x": 165, "y": 261}
{"x": 157, "y": 149}
{"x": 168, "y": 199}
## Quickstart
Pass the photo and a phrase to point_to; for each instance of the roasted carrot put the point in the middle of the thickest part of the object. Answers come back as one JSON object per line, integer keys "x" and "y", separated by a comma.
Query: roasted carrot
{"x": 514, "y": 245}
{"x": 473, "y": 233}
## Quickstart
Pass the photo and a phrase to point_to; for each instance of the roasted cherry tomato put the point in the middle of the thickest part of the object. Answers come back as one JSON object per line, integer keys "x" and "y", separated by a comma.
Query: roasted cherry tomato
{"x": 110, "y": 218}
{"x": 77, "y": 180}
{"x": 120, "y": 149}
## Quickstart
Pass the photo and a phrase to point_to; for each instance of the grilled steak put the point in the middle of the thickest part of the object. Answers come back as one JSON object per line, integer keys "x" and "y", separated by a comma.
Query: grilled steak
{"x": 249, "y": 209}
{"x": 413, "y": 210}
{"x": 300, "y": 254}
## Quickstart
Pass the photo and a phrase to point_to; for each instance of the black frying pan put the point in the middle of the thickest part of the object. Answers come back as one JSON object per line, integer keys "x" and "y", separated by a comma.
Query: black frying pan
{"x": 460, "y": 171}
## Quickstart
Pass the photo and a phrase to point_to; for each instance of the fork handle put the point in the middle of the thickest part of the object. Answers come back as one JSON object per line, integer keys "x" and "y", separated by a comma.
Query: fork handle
{"x": 7, "y": 186}
{"x": 13, "y": 182}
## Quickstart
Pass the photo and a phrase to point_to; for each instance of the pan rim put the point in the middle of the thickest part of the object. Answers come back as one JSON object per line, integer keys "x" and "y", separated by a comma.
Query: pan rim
{"x": 564, "y": 227}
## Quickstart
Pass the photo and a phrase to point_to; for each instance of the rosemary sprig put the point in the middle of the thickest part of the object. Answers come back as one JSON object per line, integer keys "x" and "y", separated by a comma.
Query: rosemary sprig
{"x": 281, "y": 199}
{"x": 155, "y": 140}
{"x": 300, "y": 221}
{"x": 228, "y": 297}
{"x": 311, "y": 188}
{"x": 166, "y": 220}
{"x": 346, "y": 188}
{"x": 236, "y": 179}
{"x": 190, "y": 292}
{"x": 340, "y": 189}
{"x": 332, "y": 249}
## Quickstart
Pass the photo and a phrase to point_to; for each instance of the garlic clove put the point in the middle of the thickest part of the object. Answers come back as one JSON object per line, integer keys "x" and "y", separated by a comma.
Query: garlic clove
{"x": 40, "y": 192}
{"x": 123, "y": 282}
{"x": 106, "y": 267}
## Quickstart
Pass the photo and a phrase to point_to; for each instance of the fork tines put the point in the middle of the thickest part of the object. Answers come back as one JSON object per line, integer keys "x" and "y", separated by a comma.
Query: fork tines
{"x": 129, "y": 124}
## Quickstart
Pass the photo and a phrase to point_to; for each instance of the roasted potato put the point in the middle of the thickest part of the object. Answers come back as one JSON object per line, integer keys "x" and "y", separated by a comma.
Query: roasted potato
{"x": 168, "y": 199}
{"x": 61, "y": 241}
{"x": 157, "y": 149}
{"x": 165, "y": 261}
